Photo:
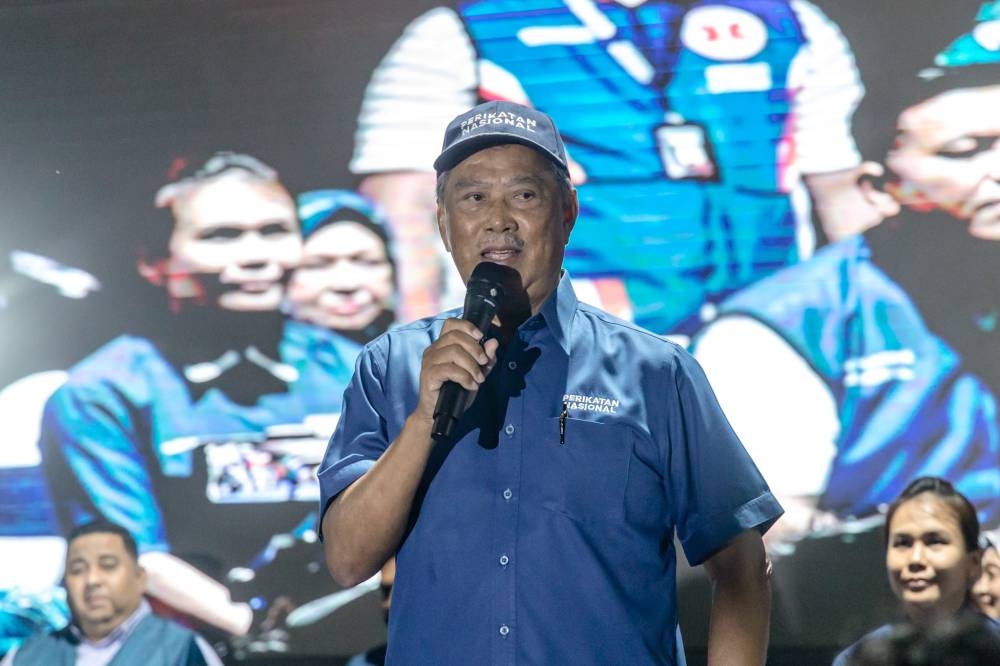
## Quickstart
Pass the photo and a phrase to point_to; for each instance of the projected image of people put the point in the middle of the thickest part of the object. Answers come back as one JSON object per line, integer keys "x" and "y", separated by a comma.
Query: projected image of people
{"x": 688, "y": 127}
{"x": 880, "y": 352}
{"x": 209, "y": 416}
{"x": 346, "y": 280}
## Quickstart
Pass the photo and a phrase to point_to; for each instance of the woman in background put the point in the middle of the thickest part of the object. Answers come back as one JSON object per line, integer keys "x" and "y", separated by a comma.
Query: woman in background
{"x": 986, "y": 591}
{"x": 933, "y": 558}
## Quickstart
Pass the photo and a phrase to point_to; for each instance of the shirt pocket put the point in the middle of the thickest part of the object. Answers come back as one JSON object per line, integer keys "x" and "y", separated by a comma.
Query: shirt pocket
{"x": 589, "y": 466}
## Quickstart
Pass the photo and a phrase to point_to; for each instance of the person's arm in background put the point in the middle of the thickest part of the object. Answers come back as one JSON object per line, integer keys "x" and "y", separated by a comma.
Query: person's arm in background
{"x": 89, "y": 445}
{"x": 365, "y": 522}
{"x": 741, "y": 602}
{"x": 789, "y": 429}
{"x": 425, "y": 80}
{"x": 827, "y": 89}
{"x": 186, "y": 589}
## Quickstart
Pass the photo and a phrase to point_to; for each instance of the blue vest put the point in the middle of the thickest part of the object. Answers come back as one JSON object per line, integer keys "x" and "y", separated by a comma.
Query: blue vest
{"x": 907, "y": 405}
{"x": 680, "y": 239}
{"x": 153, "y": 642}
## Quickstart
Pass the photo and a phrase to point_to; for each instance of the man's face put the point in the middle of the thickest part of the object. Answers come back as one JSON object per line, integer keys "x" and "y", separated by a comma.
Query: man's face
{"x": 345, "y": 280}
{"x": 103, "y": 582}
{"x": 948, "y": 157}
{"x": 244, "y": 232}
{"x": 503, "y": 204}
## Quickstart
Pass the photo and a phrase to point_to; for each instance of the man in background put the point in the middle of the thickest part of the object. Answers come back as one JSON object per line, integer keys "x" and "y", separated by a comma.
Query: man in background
{"x": 111, "y": 622}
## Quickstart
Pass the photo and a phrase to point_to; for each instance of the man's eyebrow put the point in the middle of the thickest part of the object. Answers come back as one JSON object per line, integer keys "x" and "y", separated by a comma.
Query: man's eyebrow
{"x": 468, "y": 182}
{"x": 519, "y": 179}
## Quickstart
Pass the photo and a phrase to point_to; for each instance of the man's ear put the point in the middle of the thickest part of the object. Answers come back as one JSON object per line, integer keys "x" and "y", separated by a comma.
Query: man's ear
{"x": 570, "y": 212}
{"x": 442, "y": 217}
{"x": 871, "y": 182}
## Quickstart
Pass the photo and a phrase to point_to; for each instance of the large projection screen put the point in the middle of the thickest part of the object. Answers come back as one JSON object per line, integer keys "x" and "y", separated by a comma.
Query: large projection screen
{"x": 797, "y": 192}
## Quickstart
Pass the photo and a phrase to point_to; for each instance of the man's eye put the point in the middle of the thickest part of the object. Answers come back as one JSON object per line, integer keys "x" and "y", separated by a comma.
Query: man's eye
{"x": 274, "y": 229}
{"x": 221, "y": 233}
{"x": 475, "y": 196}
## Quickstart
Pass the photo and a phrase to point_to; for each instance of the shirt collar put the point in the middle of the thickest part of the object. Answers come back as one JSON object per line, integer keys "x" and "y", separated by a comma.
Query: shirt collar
{"x": 557, "y": 312}
{"x": 119, "y": 633}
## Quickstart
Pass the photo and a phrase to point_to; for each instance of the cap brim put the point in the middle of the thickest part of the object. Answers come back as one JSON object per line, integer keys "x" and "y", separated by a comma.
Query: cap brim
{"x": 458, "y": 152}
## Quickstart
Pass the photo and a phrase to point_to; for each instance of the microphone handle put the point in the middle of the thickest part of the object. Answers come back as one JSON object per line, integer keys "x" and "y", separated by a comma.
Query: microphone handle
{"x": 454, "y": 396}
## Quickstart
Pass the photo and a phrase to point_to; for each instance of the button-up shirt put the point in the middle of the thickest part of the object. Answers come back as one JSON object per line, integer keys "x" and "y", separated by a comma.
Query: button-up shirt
{"x": 543, "y": 531}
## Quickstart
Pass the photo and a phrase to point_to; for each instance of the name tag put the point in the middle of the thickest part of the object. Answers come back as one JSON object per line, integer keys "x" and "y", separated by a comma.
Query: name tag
{"x": 685, "y": 152}
{"x": 738, "y": 77}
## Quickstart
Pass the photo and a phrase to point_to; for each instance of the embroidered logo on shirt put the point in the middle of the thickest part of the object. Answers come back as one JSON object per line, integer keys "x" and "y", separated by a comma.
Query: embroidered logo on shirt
{"x": 880, "y": 368}
{"x": 590, "y": 403}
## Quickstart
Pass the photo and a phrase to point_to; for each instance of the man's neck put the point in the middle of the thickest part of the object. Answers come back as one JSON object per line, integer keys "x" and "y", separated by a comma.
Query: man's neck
{"x": 95, "y": 632}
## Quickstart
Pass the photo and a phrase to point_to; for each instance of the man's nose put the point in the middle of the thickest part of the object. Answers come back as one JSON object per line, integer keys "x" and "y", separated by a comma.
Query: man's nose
{"x": 501, "y": 218}
{"x": 255, "y": 251}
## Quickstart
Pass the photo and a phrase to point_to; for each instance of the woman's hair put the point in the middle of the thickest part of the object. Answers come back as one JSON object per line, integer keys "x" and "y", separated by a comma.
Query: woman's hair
{"x": 968, "y": 521}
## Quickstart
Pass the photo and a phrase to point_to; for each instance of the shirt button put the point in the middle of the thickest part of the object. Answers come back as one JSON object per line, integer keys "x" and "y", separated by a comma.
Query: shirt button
{"x": 509, "y": 429}
{"x": 507, "y": 494}
{"x": 504, "y": 560}
{"x": 504, "y": 630}
{"x": 512, "y": 365}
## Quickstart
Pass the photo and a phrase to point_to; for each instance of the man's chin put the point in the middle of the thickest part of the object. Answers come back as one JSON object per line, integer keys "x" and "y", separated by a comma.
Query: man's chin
{"x": 240, "y": 301}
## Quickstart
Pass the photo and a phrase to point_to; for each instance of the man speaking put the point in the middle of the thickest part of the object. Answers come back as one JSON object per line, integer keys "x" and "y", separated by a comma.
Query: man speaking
{"x": 541, "y": 528}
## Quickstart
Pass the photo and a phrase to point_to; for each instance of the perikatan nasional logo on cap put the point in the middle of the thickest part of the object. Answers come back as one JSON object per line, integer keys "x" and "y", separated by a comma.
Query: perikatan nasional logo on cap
{"x": 497, "y": 118}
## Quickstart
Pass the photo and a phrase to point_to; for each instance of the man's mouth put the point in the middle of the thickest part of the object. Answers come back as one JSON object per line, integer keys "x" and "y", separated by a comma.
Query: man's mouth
{"x": 499, "y": 254}
{"x": 256, "y": 287}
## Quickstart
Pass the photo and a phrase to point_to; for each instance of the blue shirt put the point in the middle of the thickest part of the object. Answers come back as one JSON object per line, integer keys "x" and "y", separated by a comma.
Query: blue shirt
{"x": 524, "y": 548}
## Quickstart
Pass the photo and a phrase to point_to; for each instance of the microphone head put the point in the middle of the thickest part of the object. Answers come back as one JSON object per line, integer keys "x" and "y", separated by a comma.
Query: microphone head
{"x": 484, "y": 293}
{"x": 487, "y": 282}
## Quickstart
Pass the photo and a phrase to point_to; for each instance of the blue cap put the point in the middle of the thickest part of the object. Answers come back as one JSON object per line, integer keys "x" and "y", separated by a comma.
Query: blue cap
{"x": 496, "y": 123}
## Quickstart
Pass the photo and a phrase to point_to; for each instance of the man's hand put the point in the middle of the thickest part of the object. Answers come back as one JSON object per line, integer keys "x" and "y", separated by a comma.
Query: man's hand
{"x": 456, "y": 356}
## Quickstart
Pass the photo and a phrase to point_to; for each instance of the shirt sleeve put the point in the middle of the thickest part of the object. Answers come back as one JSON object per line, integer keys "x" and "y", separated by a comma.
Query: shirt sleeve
{"x": 425, "y": 80}
{"x": 90, "y": 445}
{"x": 828, "y": 89}
{"x": 717, "y": 490}
{"x": 361, "y": 435}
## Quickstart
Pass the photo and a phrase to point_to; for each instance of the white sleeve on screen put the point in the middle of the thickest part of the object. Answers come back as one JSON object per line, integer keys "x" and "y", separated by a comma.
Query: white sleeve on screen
{"x": 782, "y": 411}
{"x": 8, "y": 659}
{"x": 827, "y": 88}
{"x": 210, "y": 656}
{"x": 427, "y": 78}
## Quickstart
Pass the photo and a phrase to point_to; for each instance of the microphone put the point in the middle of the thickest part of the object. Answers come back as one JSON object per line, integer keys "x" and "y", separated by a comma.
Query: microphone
{"x": 482, "y": 300}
